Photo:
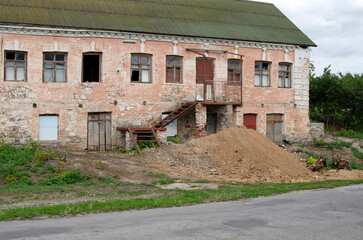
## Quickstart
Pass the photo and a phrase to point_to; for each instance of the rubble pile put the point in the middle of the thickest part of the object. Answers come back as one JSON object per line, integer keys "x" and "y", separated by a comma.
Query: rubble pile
{"x": 236, "y": 154}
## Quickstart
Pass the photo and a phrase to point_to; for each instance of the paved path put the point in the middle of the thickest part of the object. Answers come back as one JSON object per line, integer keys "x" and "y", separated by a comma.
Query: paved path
{"x": 308, "y": 215}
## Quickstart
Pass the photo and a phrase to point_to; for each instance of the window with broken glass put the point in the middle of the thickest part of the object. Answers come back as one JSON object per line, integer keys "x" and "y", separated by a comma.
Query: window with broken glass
{"x": 262, "y": 74}
{"x": 234, "y": 70}
{"x": 54, "y": 67}
{"x": 173, "y": 69}
{"x": 284, "y": 75}
{"x": 141, "y": 68}
{"x": 15, "y": 66}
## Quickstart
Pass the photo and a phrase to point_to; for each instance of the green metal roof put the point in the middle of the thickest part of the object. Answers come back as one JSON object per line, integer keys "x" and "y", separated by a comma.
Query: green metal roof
{"x": 222, "y": 19}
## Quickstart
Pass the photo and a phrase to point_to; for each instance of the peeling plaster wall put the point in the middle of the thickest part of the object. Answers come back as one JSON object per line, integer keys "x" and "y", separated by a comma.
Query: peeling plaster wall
{"x": 136, "y": 104}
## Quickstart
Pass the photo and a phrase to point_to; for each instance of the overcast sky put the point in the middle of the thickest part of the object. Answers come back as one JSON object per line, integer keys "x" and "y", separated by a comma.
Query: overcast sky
{"x": 336, "y": 26}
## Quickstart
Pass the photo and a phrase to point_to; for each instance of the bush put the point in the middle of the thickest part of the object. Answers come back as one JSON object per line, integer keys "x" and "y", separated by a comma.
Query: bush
{"x": 174, "y": 140}
{"x": 311, "y": 161}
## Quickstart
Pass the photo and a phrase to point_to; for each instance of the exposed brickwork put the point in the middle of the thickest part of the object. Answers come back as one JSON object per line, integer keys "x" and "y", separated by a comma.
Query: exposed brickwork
{"x": 140, "y": 104}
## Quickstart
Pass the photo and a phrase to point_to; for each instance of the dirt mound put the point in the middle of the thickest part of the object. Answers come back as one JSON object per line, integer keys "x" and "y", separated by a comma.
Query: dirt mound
{"x": 236, "y": 154}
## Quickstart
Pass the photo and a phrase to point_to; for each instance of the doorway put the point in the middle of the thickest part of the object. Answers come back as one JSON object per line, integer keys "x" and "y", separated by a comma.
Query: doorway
{"x": 99, "y": 132}
{"x": 205, "y": 76}
{"x": 274, "y": 127}
{"x": 211, "y": 127}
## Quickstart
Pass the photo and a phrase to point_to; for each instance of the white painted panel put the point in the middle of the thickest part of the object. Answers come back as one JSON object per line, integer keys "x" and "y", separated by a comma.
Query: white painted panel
{"x": 48, "y": 127}
{"x": 172, "y": 128}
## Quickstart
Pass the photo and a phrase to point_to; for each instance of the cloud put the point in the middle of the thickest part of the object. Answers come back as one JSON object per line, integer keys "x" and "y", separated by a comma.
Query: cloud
{"x": 335, "y": 26}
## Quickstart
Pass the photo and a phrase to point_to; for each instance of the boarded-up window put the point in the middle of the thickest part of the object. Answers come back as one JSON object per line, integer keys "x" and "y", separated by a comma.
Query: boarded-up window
{"x": 15, "y": 66}
{"x": 173, "y": 69}
{"x": 140, "y": 68}
{"x": 250, "y": 121}
{"x": 48, "y": 127}
{"x": 234, "y": 70}
{"x": 284, "y": 75}
{"x": 91, "y": 67}
{"x": 54, "y": 67}
{"x": 262, "y": 74}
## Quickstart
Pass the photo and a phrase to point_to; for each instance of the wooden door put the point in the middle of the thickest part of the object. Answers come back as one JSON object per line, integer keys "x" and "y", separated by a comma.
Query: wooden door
{"x": 250, "y": 121}
{"x": 99, "y": 132}
{"x": 205, "y": 75}
{"x": 274, "y": 127}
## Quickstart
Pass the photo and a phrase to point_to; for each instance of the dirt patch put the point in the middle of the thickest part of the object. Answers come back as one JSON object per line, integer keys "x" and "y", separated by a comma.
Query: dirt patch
{"x": 236, "y": 154}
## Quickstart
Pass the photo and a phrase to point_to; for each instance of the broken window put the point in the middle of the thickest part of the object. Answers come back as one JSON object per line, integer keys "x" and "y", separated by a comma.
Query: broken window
{"x": 173, "y": 69}
{"x": 234, "y": 70}
{"x": 15, "y": 66}
{"x": 54, "y": 67}
{"x": 140, "y": 68}
{"x": 262, "y": 74}
{"x": 91, "y": 67}
{"x": 48, "y": 127}
{"x": 284, "y": 75}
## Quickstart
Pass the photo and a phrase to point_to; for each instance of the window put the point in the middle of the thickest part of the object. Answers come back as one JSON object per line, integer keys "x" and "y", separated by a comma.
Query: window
{"x": 262, "y": 74}
{"x": 140, "y": 68}
{"x": 15, "y": 66}
{"x": 91, "y": 67}
{"x": 234, "y": 70}
{"x": 54, "y": 67}
{"x": 284, "y": 75}
{"x": 173, "y": 69}
{"x": 48, "y": 127}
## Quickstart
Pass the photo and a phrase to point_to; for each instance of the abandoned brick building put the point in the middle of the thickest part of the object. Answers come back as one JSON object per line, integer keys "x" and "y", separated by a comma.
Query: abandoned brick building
{"x": 92, "y": 74}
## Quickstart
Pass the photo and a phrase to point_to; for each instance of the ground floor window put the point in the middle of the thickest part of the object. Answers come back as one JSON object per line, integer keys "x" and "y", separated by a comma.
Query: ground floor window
{"x": 48, "y": 127}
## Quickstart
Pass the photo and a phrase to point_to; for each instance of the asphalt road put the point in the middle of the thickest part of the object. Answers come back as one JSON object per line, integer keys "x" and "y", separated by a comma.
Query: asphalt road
{"x": 308, "y": 215}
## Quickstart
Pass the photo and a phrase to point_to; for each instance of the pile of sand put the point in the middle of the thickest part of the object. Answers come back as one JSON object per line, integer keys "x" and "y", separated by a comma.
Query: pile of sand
{"x": 236, "y": 154}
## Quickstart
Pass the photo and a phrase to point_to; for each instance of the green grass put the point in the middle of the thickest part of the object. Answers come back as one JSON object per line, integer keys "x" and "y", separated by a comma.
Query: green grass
{"x": 226, "y": 192}
{"x": 350, "y": 134}
{"x": 358, "y": 154}
{"x": 336, "y": 144}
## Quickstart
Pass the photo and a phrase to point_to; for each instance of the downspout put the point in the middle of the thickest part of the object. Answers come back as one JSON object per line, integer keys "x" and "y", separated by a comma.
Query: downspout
{"x": 241, "y": 79}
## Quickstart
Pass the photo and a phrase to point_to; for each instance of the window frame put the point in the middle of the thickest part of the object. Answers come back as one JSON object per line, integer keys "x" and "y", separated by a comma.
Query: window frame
{"x": 15, "y": 61}
{"x": 140, "y": 67}
{"x": 261, "y": 70}
{"x": 99, "y": 54}
{"x": 174, "y": 69}
{"x": 234, "y": 71}
{"x": 284, "y": 72}
{"x": 54, "y": 69}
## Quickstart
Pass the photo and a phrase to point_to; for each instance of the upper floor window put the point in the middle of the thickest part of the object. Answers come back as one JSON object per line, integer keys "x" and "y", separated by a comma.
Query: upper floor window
{"x": 54, "y": 67}
{"x": 173, "y": 69}
{"x": 234, "y": 70}
{"x": 262, "y": 74}
{"x": 91, "y": 67}
{"x": 284, "y": 75}
{"x": 140, "y": 68}
{"x": 15, "y": 66}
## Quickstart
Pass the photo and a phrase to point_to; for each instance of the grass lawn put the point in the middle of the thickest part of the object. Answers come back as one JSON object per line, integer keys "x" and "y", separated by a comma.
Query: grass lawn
{"x": 125, "y": 196}
{"x": 35, "y": 182}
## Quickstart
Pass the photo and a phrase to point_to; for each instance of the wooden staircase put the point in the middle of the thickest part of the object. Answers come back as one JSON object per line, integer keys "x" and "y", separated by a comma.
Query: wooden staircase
{"x": 148, "y": 134}
{"x": 177, "y": 113}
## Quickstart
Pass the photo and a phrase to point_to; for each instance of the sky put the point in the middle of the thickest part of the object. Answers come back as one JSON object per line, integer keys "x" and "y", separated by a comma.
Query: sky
{"x": 336, "y": 26}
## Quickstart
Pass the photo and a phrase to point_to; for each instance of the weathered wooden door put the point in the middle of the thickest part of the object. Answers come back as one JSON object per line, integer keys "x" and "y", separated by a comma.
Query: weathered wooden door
{"x": 205, "y": 75}
{"x": 99, "y": 131}
{"x": 250, "y": 120}
{"x": 274, "y": 126}
{"x": 211, "y": 127}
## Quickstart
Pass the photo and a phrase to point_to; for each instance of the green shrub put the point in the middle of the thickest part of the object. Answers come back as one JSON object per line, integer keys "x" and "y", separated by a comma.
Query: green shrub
{"x": 311, "y": 160}
{"x": 174, "y": 140}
